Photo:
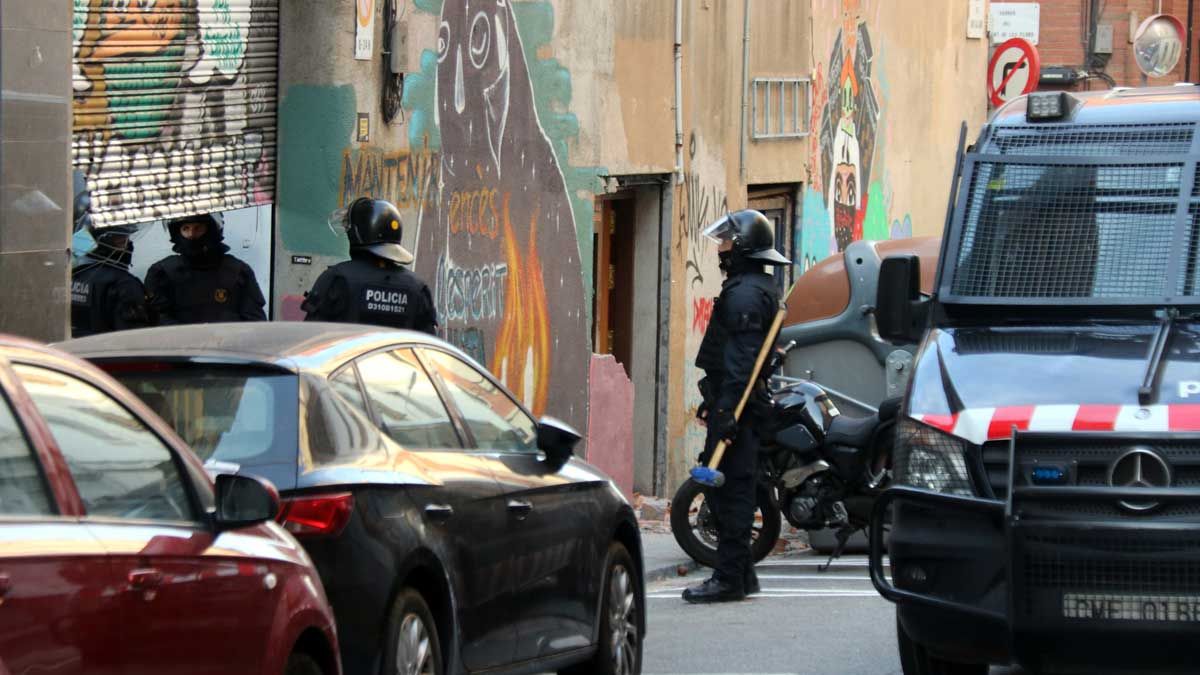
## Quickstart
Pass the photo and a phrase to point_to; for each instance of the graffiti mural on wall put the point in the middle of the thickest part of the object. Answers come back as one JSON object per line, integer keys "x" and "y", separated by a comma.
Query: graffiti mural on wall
{"x": 845, "y": 199}
{"x": 499, "y": 234}
{"x": 848, "y": 127}
{"x": 173, "y": 105}
{"x": 403, "y": 178}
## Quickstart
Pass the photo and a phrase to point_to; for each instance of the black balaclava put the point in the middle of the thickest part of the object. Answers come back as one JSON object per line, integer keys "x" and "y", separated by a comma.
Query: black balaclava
{"x": 206, "y": 249}
{"x": 733, "y": 263}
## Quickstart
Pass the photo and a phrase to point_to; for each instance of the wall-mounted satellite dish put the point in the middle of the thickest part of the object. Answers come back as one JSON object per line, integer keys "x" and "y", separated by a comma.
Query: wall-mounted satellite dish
{"x": 1158, "y": 44}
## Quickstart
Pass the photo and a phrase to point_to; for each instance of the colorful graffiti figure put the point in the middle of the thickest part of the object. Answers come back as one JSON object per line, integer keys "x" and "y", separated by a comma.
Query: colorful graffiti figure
{"x": 848, "y": 127}
{"x": 501, "y": 200}
{"x": 161, "y": 90}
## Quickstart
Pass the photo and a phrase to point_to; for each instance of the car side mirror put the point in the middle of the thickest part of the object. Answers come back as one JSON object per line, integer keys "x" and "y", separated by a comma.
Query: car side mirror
{"x": 243, "y": 501}
{"x": 557, "y": 439}
{"x": 900, "y": 311}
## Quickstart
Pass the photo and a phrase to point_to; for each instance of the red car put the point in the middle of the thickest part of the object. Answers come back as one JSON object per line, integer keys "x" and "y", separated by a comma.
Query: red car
{"x": 118, "y": 553}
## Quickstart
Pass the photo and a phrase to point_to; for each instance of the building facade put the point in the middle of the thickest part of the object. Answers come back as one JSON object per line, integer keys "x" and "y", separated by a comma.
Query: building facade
{"x": 555, "y": 162}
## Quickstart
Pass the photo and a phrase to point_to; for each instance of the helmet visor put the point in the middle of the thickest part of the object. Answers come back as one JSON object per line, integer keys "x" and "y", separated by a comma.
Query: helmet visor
{"x": 721, "y": 230}
{"x": 339, "y": 221}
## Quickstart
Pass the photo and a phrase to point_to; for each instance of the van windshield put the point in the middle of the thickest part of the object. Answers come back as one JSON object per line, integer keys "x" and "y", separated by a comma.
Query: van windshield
{"x": 1054, "y": 225}
{"x": 227, "y": 414}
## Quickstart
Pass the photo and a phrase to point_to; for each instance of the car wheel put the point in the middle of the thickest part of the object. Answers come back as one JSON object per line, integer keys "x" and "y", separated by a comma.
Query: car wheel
{"x": 620, "y": 649}
{"x": 302, "y": 664}
{"x": 413, "y": 647}
{"x": 916, "y": 660}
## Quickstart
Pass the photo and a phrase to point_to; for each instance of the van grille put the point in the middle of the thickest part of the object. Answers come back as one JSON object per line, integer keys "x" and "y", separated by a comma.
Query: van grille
{"x": 1092, "y": 140}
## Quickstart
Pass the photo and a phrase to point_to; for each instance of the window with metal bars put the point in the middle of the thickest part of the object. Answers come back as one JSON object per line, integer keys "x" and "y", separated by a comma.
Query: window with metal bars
{"x": 1035, "y": 231}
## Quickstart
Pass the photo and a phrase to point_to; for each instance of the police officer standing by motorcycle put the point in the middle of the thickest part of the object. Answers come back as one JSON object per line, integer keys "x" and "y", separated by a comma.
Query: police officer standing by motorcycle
{"x": 741, "y": 320}
{"x": 104, "y": 295}
{"x": 373, "y": 287}
{"x": 202, "y": 283}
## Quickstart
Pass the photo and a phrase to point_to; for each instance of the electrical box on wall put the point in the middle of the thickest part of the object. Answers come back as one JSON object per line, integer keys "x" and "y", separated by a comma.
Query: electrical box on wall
{"x": 1104, "y": 38}
{"x": 399, "y": 48}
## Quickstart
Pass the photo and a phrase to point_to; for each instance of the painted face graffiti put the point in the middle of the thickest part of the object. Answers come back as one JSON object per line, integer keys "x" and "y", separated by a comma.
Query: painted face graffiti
{"x": 500, "y": 229}
{"x": 848, "y": 127}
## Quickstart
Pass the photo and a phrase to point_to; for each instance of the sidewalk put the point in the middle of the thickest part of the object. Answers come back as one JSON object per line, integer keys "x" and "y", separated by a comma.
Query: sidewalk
{"x": 661, "y": 555}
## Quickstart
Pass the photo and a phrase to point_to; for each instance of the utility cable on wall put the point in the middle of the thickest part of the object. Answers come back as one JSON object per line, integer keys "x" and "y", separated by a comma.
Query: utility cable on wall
{"x": 393, "y": 83}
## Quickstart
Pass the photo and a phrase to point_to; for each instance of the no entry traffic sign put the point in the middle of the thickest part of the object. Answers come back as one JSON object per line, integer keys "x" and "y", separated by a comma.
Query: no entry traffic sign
{"x": 1014, "y": 70}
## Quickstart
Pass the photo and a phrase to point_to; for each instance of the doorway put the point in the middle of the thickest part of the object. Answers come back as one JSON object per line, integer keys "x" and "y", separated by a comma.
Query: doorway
{"x": 778, "y": 204}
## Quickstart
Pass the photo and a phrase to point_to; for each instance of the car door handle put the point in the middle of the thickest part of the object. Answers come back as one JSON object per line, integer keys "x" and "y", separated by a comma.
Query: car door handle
{"x": 145, "y": 579}
{"x": 439, "y": 511}
{"x": 520, "y": 507}
{"x": 5, "y": 586}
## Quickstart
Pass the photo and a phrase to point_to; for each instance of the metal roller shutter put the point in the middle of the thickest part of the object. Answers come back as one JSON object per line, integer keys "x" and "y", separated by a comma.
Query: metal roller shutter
{"x": 175, "y": 105}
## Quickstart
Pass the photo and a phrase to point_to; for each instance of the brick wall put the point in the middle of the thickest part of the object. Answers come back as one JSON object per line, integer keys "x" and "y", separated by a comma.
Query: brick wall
{"x": 1062, "y": 37}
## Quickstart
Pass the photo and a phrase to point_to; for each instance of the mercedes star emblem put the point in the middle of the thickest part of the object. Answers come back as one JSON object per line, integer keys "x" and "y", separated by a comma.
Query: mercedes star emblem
{"x": 1139, "y": 468}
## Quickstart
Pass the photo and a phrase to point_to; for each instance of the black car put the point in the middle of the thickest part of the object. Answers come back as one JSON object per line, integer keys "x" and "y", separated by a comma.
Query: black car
{"x": 452, "y": 531}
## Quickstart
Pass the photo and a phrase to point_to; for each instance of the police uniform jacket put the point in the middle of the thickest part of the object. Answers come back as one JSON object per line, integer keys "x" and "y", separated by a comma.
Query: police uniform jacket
{"x": 370, "y": 290}
{"x": 742, "y": 316}
{"x": 204, "y": 290}
{"x": 105, "y": 297}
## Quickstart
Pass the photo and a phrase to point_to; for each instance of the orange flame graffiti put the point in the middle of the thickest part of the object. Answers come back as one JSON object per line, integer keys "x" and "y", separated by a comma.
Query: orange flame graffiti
{"x": 522, "y": 356}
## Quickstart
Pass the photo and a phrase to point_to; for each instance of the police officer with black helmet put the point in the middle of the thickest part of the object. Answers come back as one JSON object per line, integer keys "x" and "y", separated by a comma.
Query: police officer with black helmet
{"x": 373, "y": 287}
{"x": 104, "y": 295}
{"x": 202, "y": 283}
{"x": 741, "y": 320}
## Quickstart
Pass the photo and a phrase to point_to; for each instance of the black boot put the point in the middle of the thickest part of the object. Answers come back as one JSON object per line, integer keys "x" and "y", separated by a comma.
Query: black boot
{"x": 714, "y": 590}
{"x": 751, "y": 582}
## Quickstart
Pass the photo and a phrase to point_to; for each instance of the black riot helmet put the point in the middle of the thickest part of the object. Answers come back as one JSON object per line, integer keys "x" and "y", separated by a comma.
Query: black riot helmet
{"x": 374, "y": 225}
{"x": 215, "y": 226}
{"x": 752, "y": 235}
{"x": 114, "y": 244}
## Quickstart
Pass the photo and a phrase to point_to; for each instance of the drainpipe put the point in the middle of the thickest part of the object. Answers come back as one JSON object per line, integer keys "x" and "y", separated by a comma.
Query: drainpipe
{"x": 1187, "y": 69}
{"x": 745, "y": 93}
{"x": 678, "y": 92}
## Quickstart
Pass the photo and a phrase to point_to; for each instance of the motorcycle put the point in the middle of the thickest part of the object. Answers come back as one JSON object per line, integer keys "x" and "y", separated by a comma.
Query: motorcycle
{"x": 818, "y": 469}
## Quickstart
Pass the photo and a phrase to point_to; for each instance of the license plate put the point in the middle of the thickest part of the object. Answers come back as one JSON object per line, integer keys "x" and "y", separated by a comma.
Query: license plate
{"x": 1131, "y": 607}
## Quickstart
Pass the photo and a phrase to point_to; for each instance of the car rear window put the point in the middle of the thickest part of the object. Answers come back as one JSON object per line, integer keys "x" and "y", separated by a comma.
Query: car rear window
{"x": 236, "y": 415}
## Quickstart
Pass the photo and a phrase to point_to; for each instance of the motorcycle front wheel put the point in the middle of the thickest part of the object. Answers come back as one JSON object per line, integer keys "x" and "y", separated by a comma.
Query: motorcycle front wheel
{"x": 695, "y": 525}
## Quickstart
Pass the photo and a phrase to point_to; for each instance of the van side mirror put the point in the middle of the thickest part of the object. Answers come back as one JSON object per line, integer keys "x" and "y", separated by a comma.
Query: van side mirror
{"x": 557, "y": 439}
{"x": 900, "y": 311}
{"x": 243, "y": 501}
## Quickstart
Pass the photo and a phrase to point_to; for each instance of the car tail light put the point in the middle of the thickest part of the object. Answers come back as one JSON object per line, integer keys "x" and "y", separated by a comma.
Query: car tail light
{"x": 314, "y": 516}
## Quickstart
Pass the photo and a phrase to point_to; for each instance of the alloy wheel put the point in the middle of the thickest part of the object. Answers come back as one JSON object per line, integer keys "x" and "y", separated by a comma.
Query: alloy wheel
{"x": 623, "y": 621}
{"x": 414, "y": 653}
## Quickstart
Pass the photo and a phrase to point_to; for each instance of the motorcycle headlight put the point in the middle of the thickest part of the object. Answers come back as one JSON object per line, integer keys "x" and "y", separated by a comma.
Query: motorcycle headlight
{"x": 926, "y": 458}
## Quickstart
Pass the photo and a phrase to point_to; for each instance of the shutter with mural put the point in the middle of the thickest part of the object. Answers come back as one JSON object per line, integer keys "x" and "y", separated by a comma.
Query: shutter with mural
{"x": 174, "y": 107}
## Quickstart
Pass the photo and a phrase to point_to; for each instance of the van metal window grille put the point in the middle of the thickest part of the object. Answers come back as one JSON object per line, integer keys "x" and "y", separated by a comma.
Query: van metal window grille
{"x": 1068, "y": 231}
{"x": 1092, "y": 141}
{"x": 1100, "y": 562}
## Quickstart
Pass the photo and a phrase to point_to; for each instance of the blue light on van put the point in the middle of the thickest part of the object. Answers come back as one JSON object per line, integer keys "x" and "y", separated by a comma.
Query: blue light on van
{"x": 1048, "y": 475}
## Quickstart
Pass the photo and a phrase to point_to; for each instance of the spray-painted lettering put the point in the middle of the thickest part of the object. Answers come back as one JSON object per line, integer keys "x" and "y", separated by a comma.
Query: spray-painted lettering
{"x": 469, "y": 294}
{"x": 403, "y": 178}
{"x": 475, "y": 212}
{"x": 702, "y": 311}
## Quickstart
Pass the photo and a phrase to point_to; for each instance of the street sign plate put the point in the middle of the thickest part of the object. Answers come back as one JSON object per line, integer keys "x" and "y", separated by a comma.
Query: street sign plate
{"x": 1014, "y": 70}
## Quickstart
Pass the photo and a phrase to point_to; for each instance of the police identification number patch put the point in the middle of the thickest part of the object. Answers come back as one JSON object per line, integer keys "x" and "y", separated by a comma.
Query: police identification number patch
{"x": 386, "y": 300}
{"x": 81, "y": 292}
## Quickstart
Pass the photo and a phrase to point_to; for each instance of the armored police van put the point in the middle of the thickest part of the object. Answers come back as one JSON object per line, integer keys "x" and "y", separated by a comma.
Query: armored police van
{"x": 1047, "y": 508}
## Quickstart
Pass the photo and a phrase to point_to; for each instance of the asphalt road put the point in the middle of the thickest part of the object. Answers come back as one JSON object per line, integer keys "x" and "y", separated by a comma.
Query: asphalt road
{"x": 803, "y": 622}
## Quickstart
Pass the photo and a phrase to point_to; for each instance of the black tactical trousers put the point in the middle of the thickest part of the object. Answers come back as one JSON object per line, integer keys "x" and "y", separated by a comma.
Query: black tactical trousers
{"x": 733, "y": 504}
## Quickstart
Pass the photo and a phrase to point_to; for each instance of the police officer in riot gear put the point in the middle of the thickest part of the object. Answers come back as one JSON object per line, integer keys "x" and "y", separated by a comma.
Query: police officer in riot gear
{"x": 104, "y": 295}
{"x": 202, "y": 283}
{"x": 373, "y": 287}
{"x": 741, "y": 320}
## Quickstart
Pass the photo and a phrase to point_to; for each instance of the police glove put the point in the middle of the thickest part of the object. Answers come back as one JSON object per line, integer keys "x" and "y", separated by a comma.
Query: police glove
{"x": 702, "y": 413}
{"x": 723, "y": 424}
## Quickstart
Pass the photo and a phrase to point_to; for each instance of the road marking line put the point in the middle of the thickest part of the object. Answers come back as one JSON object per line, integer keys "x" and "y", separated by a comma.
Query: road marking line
{"x": 813, "y": 576}
{"x": 660, "y": 591}
{"x": 675, "y": 596}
